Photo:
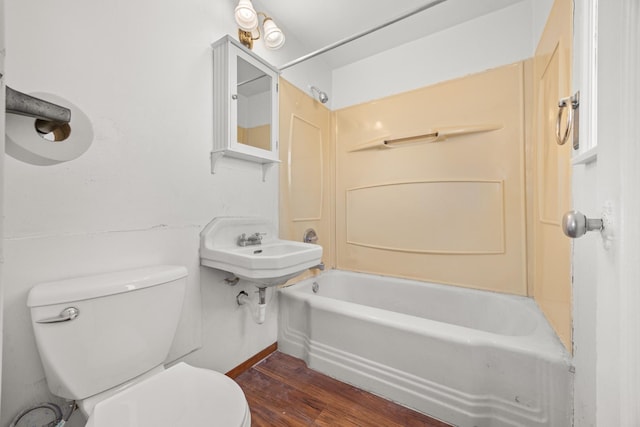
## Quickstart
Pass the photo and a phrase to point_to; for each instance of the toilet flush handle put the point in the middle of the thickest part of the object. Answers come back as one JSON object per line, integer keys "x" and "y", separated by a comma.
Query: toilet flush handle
{"x": 66, "y": 315}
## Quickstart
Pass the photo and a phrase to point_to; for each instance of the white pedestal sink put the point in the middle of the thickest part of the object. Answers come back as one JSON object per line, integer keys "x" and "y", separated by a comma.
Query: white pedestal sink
{"x": 265, "y": 260}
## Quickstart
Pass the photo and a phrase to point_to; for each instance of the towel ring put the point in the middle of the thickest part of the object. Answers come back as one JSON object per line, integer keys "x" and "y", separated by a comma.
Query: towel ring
{"x": 562, "y": 104}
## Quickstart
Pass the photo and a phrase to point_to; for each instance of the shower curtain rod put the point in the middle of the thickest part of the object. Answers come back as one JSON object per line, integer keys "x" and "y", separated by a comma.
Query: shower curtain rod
{"x": 359, "y": 35}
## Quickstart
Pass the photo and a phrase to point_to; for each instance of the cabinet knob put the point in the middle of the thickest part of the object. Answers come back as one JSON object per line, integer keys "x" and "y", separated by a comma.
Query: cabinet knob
{"x": 234, "y": 96}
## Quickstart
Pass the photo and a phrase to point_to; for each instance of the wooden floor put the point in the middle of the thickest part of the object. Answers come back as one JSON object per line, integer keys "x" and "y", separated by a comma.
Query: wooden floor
{"x": 282, "y": 391}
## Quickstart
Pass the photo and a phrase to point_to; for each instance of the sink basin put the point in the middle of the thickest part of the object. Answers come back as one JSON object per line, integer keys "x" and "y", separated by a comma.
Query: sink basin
{"x": 272, "y": 262}
{"x": 269, "y": 263}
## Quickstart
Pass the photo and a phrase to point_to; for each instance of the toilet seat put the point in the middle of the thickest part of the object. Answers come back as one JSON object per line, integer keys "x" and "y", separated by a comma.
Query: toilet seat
{"x": 182, "y": 395}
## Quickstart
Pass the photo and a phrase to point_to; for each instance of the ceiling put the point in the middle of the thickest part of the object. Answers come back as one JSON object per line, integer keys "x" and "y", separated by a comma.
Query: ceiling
{"x": 319, "y": 23}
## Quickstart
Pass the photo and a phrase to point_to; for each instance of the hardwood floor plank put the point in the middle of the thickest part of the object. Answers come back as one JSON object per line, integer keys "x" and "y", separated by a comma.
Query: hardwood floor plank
{"x": 344, "y": 396}
{"x": 330, "y": 418}
{"x": 277, "y": 402}
{"x": 282, "y": 391}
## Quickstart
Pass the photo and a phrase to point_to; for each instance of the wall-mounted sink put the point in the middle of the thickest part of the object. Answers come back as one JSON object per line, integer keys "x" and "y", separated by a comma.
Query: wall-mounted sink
{"x": 265, "y": 260}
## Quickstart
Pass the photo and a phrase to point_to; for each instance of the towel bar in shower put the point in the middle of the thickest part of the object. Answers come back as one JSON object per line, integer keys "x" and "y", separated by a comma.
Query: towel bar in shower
{"x": 27, "y": 105}
{"x": 393, "y": 141}
{"x": 571, "y": 103}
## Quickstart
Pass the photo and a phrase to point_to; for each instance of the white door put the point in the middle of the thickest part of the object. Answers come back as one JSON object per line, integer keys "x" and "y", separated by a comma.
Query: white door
{"x": 606, "y": 181}
{"x": 2, "y": 114}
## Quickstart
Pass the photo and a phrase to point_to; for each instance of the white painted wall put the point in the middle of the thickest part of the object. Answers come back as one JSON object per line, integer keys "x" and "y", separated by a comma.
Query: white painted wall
{"x": 539, "y": 13}
{"x": 489, "y": 41}
{"x": 314, "y": 72}
{"x": 142, "y": 71}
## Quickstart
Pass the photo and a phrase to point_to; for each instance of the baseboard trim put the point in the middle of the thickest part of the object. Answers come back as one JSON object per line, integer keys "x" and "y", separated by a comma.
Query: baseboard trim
{"x": 247, "y": 364}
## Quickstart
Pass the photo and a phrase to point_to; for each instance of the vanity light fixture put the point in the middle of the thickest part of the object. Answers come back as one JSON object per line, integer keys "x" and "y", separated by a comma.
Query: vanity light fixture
{"x": 248, "y": 21}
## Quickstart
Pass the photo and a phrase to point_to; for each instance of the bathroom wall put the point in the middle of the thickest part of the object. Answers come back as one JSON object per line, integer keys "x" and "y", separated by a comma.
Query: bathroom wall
{"x": 142, "y": 71}
{"x": 496, "y": 39}
{"x": 442, "y": 209}
{"x": 307, "y": 169}
{"x": 502, "y": 37}
{"x": 540, "y": 10}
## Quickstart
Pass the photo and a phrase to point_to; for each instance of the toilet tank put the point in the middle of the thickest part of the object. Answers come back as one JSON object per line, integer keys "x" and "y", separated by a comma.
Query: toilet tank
{"x": 125, "y": 326}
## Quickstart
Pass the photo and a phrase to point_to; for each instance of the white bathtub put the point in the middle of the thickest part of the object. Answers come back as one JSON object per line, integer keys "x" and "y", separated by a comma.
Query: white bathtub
{"x": 470, "y": 358}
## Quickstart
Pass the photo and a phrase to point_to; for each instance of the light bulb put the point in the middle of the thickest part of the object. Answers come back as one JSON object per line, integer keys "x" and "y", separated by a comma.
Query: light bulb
{"x": 273, "y": 36}
{"x": 246, "y": 16}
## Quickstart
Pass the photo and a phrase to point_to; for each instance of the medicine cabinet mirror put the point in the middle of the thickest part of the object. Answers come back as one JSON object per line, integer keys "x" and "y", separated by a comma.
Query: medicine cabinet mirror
{"x": 245, "y": 105}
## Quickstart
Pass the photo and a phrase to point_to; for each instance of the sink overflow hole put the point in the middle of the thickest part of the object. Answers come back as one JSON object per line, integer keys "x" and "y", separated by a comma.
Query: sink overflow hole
{"x": 259, "y": 251}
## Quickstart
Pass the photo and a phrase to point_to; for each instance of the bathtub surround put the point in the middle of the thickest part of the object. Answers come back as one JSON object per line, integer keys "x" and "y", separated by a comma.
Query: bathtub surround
{"x": 307, "y": 169}
{"x": 430, "y": 183}
{"x": 552, "y": 172}
{"x": 467, "y": 357}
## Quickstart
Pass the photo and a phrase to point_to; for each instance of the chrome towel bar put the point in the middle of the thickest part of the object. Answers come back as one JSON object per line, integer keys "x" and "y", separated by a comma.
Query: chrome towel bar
{"x": 27, "y": 105}
{"x": 571, "y": 103}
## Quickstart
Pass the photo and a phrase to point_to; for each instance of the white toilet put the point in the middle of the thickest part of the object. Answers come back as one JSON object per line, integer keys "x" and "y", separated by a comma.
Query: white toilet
{"x": 103, "y": 341}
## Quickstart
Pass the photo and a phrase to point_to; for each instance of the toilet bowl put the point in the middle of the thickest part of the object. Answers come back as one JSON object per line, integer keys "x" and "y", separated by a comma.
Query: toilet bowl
{"x": 103, "y": 341}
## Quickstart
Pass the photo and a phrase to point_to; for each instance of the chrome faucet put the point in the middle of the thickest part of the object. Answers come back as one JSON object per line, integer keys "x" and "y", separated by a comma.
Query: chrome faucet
{"x": 251, "y": 240}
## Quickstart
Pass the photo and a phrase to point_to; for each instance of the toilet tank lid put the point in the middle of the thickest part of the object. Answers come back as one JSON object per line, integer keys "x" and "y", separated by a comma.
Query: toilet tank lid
{"x": 87, "y": 287}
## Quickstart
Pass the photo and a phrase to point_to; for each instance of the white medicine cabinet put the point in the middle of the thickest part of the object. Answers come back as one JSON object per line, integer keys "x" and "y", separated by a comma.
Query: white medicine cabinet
{"x": 245, "y": 109}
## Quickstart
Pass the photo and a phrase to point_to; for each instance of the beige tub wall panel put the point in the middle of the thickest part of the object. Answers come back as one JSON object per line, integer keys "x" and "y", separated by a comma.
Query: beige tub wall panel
{"x": 491, "y": 98}
{"x": 468, "y": 217}
{"x": 306, "y": 167}
{"x": 528, "y": 171}
{"x": 552, "y": 172}
{"x": 305, "y": 170}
